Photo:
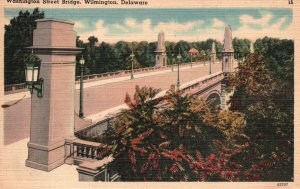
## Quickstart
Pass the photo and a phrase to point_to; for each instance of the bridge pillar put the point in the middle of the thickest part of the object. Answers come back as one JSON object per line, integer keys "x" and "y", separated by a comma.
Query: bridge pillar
{"x": 161, "y": 56}
{"x": 52, "y": 116}
{"x": 228, "y": 52}
{"x": 225, "y": 97}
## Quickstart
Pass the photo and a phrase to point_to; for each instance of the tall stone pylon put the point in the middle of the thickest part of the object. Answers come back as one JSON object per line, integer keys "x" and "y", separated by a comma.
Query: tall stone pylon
{"x": 213, "y": 53}
{"x": 161, "y": 57}
{"x": 228, "y": 52}
{"x": 52, "y": 116}
{"x": 227, "y": 64}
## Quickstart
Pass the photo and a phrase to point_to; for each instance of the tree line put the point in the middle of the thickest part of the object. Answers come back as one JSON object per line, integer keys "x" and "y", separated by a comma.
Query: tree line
{"x": 103, "y": 57}
{"x": 182, "y": 138}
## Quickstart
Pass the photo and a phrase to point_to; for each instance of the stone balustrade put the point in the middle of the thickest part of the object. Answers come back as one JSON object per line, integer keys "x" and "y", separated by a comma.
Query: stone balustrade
{"x": 9, "y": 89}
{"x": 203, "y": 84}
{"x": 90, "y": 167}
{"x": 119, "y": 73}
{"x": 78, "y": 151}
{"x": 15, "y": 88}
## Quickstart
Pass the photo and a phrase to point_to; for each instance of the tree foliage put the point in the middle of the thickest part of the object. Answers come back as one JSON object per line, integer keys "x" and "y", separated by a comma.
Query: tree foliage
{"x": 241, "y": 47}
{"x": 267, "y": 101}
{"x": 18, "y": 34}
{"x": 178, "y": 138}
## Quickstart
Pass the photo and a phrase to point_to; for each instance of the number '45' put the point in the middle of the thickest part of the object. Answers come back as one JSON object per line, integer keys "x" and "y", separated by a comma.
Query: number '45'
{"x": 290, "y": 2}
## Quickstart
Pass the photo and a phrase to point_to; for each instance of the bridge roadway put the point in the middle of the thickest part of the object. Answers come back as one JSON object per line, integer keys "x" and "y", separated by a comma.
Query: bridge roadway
{"x": 103, "y": 97}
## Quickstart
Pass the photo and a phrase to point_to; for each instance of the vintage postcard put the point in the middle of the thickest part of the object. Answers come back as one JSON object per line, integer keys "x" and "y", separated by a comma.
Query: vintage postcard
{"x": 149, "y": 93}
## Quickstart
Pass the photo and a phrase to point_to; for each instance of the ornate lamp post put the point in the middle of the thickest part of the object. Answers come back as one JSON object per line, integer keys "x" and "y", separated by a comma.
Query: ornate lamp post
{"x": 81, "y": 61}
{"x": 204, "y": 55}
{"x": 178, "y": 80}
{"x": 32, "y": 75}
{"x": 191, "y": 60}
{"x": 172, "y": 55}
{"x": 210, "y": 63}
{"x": 132, "y": 56}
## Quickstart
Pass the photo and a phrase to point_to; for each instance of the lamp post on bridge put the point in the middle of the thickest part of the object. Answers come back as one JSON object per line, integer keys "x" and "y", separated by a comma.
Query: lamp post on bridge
{"x": 172, "y": 55}
{"x": 178, "y": 80}
{"x": 81, "y": 114}
{"x": 32, "y": 75}
{"x": 191, "y": 60}
{"x": 132, "y": 56}
{"x": 209, "y": 72}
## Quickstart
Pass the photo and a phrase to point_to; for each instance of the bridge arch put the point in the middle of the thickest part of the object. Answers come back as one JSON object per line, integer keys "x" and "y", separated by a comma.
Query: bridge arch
{"x": 214, "y": 97}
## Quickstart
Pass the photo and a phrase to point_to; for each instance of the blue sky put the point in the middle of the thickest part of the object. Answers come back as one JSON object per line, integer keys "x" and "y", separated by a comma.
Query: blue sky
{"x": 112, "y": 25}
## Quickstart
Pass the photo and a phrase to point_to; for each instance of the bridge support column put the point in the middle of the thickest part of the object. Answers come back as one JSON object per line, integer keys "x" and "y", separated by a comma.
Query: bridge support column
{"x": 225, "y": 97}
{"x": 52, "y": 116}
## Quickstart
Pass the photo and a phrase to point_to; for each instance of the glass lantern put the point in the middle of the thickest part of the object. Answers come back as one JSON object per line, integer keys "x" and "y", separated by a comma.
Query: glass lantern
{"x": 32, "y": 75}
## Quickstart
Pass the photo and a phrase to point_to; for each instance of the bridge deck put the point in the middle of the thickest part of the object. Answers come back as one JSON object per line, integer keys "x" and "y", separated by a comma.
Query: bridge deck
{"x": 103, "y": 96}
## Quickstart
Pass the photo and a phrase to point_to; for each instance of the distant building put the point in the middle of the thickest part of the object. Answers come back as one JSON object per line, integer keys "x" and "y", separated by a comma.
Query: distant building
{"x": 161, "y": 56}
{"x": 193, "y": 51}
{"x": 228, "y": 52}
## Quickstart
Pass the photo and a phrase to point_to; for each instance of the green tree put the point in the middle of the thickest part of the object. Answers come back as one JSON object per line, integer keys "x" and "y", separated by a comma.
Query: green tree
{"x": 177, "y": 138}
{"x": 18, "y": 34}
{"x": 267, "y": 104}
{"x": 171, "y": 49}
{"x": 184, "y": 47}
{"x": 144, "y": 54}
{"x": 91, "y": 54}
{"x": 122, "y": 51}
{"x": 107, "y": 61}
{"x": 241, "y": 47}
{"x": 278, "y": 56}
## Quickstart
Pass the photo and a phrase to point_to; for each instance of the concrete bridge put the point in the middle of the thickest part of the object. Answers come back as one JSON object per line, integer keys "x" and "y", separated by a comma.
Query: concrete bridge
{"x": 51, "y": 121}
{"x": 105, "y": 97}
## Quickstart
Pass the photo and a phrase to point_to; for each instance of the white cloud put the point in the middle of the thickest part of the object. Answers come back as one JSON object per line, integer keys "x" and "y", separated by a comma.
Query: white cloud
{"x": 216, "y": 23}
{"x": 99, "y": 32}
{"x": 119, "y": 27}
{"x": 131, "y": 23}
{"x": 133, "y": 30}
{"x": 173, "y": 27}
{"x": 267, "y": 29}
{"x": 79, "y": 25}
{"x": 279, "y": 22}
{"x": 146, "y": 25}
{"x": 263, "y": 21}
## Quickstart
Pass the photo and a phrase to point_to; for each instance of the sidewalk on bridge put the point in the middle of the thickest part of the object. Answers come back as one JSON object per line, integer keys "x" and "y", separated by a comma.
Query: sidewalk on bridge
{"x": 17, "y": 96}
{"x": 125, "y": 78}
{"x": 100, "y": 116}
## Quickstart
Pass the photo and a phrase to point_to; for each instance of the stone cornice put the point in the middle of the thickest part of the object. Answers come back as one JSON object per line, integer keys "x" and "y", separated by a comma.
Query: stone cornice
{"x": 54, "y": 50}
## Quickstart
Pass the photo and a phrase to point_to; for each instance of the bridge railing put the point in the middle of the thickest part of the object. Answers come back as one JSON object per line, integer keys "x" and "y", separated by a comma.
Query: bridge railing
{"x": 9, "y": 89}
{"x": 14, "y": 88}
{"x": 106, "y": 75}
{"x": 203, "y": 84}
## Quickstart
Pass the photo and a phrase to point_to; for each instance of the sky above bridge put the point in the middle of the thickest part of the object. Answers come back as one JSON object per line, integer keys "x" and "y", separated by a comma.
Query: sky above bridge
{"x": 112, "y": 25}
